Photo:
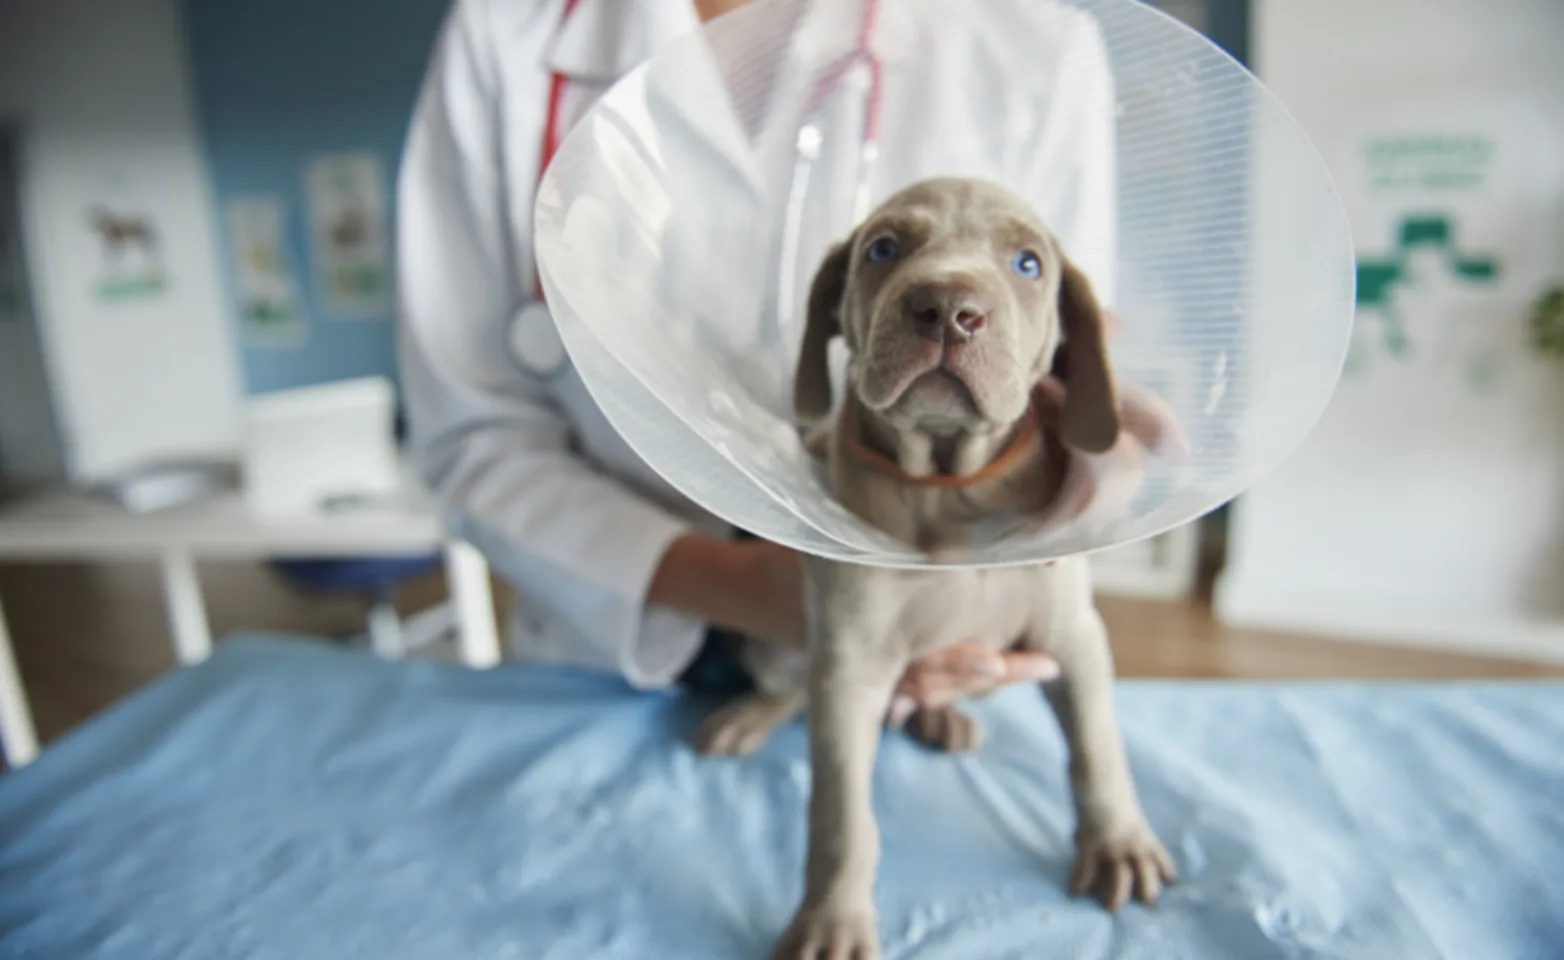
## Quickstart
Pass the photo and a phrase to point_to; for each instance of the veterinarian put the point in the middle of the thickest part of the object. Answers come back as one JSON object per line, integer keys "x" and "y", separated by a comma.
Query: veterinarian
{"x": 612, "y": 568}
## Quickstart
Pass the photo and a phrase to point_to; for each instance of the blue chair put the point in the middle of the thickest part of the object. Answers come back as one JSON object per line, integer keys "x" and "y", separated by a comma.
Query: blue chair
{"x": 377, "y": 578}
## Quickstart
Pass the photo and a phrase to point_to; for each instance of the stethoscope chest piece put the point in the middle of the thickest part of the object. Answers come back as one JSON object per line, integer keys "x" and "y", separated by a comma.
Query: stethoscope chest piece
{"x": 535, "y": 341}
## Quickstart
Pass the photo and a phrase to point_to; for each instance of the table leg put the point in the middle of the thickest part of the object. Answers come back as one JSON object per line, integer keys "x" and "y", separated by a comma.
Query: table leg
{"x": 17, "y": 734}
{"x": 186, "y": 610}
{"x": 467, "y": 579}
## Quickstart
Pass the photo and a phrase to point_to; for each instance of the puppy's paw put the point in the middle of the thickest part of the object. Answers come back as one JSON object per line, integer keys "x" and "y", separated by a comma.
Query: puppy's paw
{"x": 827, "y": 933}
{"x": 945, "y": 728}
{"x": 743, "y": 726}
{"x": 1117, "y": 859}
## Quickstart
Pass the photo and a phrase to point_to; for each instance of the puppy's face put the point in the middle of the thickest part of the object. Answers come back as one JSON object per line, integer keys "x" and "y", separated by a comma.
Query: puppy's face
{"x": 949, "y": 307}
{"x": 954, "y": 299}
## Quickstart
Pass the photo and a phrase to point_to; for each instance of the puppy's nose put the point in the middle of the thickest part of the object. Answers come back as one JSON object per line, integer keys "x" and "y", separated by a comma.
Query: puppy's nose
{"x": 946, "y": 310}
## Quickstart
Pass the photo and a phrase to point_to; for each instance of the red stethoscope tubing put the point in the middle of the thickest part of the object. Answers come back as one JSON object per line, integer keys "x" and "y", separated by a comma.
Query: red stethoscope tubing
{"x": 861, "y": 51}
{"x": 552, "y": 132}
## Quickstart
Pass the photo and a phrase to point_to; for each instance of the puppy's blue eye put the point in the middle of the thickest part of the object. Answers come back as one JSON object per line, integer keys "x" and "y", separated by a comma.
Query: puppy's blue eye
{"x": 883, "y": 249}
{"x": 1027, "y": 265}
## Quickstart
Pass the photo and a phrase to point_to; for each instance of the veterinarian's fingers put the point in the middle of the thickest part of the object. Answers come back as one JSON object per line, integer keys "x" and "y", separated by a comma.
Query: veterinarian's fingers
{"x": 902, "y": 709}
{"x": 1019, "y": 668}
{"x": 1121, "y": 877}
{"x": 1169, "y": 872}
{"x": 943, "y": 690}
{"x": 928, "y": 689}
{"x": 1083, "y": 874}
{"x": 912, "y": 685}
{"x": 1024, "y": 666}
{"x": 1148, "y": 878}
{"x": 967, "y": 670}
{"x": 1050, "y": 390}
{"x": 942, "y": 675}
{"x": 970, "y": 658}
{"x": 1149, "y": 419}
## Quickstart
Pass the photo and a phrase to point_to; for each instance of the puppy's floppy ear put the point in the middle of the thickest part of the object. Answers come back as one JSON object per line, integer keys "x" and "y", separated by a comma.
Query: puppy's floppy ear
{"x": 812, "y": 379}
{"x": 1090, "y": 418}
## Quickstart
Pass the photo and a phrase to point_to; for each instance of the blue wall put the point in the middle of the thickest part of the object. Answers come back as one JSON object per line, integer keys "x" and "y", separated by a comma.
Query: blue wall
{"x": 278, "y": 82}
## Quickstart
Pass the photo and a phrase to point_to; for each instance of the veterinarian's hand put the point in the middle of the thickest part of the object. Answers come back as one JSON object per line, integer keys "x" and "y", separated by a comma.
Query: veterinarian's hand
{"x": 751, "y": 586}
{"x": 773, "y": 595}
{"x": 965, "y": 670}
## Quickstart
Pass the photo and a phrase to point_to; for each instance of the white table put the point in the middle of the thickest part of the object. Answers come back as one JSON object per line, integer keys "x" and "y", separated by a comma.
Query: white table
{"x": 74, "y": 526}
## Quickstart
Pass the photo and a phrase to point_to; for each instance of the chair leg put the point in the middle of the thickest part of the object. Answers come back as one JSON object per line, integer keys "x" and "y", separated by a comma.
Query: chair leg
{"x": 467, "y": 575}
{"x": 428, "y": 627}
{"x": 385, "y": 630}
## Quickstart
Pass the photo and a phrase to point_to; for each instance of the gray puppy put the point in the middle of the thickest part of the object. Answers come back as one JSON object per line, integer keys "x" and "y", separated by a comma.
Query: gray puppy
{"x": 956, "y": 304}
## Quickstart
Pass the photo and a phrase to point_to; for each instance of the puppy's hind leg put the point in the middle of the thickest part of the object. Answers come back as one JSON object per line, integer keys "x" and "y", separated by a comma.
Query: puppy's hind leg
{"x": 744, "y": 725}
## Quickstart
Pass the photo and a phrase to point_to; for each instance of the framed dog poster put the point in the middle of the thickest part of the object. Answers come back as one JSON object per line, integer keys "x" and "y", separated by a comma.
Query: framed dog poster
{"x": 1427, "y": 505}
{"x": 347, "y": 210}
{"x": 271, "y": 311}
{"x": 129, "y": 240}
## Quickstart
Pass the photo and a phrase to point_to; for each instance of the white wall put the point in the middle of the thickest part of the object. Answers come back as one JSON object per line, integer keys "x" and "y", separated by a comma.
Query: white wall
{"x": 103, "y": 101}
{"x": 1429, "y": 503}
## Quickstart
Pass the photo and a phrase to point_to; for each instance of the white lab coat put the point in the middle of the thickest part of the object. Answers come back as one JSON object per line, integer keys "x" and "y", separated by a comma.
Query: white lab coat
{"x": 528, "y": 468}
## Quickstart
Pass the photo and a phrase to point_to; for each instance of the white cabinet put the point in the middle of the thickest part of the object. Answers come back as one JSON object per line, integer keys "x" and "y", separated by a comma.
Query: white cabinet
{"x": 1428, "y": 505}
{"x": 119, "y": 232}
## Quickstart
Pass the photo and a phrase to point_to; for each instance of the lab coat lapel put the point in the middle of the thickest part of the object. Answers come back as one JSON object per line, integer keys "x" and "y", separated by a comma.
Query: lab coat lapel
{"x": 604, "y": 40}
{"x": 811, "y": 87}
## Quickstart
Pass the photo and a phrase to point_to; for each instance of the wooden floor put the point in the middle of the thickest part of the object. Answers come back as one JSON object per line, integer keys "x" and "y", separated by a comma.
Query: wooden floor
{"x": 87, "y": 635}
{"x": 1158, "y": 639}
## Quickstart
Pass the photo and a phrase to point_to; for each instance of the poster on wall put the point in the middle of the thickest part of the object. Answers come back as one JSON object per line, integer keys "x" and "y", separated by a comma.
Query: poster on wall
{"x": 270, "y": 309}
{"x": 347, "y": 205}
{"x": 129, "y": 242}
{"x": 1452, "y": 252}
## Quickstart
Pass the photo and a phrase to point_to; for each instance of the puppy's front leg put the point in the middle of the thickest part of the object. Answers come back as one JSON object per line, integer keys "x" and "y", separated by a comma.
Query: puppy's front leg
{"x": 1116, "y": 853}
{"x": 852, "y": 676}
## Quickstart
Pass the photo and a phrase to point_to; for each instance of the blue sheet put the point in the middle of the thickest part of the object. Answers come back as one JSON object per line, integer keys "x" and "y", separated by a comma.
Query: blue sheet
{"x": 289, "y": 801}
